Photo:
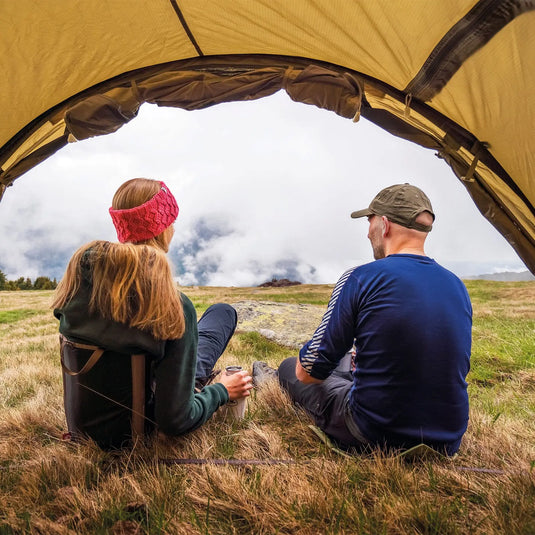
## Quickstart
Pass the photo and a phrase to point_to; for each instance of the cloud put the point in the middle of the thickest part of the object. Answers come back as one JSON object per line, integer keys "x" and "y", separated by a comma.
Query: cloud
{"x": 213, "y": 253}
{"x": 265, "y": 189}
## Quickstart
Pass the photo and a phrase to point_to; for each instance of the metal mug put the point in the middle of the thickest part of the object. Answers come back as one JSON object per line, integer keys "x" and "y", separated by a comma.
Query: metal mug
{"x": 237, "y": 407}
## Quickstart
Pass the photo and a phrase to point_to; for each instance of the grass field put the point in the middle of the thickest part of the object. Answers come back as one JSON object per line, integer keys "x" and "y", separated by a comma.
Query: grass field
{"x": 50, "y": 486}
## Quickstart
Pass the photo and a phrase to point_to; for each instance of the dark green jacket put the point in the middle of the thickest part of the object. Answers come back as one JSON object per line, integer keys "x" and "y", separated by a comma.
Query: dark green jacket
{"x": 98, "y": 403}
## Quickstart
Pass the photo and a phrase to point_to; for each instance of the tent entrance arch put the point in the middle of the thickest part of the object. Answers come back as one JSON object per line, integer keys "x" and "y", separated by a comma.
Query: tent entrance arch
{"x": 462, "y": 87}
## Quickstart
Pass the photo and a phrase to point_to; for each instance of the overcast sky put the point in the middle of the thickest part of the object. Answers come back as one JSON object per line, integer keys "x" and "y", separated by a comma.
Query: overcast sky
{"x": 265, "y": 189}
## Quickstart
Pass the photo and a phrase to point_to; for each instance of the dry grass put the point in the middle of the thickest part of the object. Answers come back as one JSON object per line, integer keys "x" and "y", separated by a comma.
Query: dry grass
{"x": 51, "y": 486}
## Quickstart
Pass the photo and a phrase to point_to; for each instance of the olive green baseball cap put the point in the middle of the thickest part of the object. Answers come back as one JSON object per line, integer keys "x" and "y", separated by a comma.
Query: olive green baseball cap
{"x": 402, "y": 204}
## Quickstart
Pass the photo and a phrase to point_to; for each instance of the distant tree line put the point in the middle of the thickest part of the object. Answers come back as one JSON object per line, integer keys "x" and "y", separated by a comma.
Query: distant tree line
{"x": 40, "y": 283}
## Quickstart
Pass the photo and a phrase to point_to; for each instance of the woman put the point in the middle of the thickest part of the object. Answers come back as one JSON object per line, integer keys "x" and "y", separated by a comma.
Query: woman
{"x": 121, "y": 298}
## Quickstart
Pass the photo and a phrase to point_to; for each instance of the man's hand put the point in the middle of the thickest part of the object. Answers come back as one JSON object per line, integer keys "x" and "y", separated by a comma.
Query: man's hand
{"x": 304, "y": 376}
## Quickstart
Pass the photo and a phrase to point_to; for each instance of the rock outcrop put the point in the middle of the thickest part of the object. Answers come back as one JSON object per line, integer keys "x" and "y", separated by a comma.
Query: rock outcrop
{"x": 290, "y": 325}
{"x": 278, "y": 283}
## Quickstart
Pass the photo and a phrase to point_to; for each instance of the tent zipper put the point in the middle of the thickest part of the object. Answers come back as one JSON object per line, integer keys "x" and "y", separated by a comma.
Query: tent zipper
{"x": 467, "y": 36}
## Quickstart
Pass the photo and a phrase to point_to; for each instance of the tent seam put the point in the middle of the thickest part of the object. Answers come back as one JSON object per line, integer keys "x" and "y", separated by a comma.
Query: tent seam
{"x": 189, "y": 33}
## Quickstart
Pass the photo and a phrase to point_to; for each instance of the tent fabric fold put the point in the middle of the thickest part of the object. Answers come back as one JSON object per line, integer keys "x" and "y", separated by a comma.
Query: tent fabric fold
{"x": 100, "y": 114}
{"x": 195, "y": 90}
{"x": 455, "y": 77}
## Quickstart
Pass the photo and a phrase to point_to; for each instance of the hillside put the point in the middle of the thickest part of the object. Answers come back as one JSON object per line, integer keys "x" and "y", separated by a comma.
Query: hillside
{"x": 268, "y": 473}
{"x": 510, "y": 276}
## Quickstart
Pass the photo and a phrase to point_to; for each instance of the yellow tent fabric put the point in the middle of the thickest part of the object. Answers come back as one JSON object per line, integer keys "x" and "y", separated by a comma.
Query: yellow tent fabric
{"x": 454, "y": 76}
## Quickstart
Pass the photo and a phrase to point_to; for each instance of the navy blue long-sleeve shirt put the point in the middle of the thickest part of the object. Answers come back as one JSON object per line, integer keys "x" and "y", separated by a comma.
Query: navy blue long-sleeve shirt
{"x": 411, "y": 322}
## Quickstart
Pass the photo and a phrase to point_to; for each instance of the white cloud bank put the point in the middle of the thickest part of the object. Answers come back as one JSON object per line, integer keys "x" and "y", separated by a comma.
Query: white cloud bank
{"x": 265, "y": 189}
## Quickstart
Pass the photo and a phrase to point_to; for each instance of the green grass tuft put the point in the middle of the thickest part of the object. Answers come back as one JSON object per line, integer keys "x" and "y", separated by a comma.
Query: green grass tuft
{"x": 12, "y": 316}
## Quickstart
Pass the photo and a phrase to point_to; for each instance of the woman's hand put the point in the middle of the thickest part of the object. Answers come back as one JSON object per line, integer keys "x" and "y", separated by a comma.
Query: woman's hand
{"x": 237, "y": 384}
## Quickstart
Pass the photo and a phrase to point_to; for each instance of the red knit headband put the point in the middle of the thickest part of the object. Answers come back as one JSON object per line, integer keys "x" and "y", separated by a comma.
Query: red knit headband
{"x": 147, "y": 220}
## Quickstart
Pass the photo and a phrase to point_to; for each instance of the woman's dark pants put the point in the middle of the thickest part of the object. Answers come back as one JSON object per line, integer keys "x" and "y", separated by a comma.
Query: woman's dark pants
{"x": 216, "y": 328}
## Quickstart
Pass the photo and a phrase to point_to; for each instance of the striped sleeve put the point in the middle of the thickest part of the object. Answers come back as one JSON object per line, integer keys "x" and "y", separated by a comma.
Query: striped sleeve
{"x": 334, "y": 336}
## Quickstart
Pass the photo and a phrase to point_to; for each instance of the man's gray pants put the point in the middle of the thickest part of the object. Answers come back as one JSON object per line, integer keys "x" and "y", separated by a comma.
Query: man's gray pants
{"x": 326, "y": 402}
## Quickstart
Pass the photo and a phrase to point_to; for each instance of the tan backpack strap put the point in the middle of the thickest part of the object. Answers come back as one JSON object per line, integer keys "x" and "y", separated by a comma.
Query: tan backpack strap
{"x": 138, "y": 395}
{"x": 93, "y": 359}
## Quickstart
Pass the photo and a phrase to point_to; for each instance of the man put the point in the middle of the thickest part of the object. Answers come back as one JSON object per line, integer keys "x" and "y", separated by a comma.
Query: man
{"x": 410, "y": 322}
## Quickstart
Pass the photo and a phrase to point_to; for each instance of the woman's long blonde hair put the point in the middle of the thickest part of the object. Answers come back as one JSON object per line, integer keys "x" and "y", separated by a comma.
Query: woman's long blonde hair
{"x": 131, "y": 283}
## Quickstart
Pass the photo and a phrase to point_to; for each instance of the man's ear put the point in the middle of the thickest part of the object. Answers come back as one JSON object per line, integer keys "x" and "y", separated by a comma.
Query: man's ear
{"x": 385, "y": 225}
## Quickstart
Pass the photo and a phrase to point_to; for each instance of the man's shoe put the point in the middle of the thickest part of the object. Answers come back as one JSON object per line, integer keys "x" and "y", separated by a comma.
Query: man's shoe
{"x": 262, "y": 373}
